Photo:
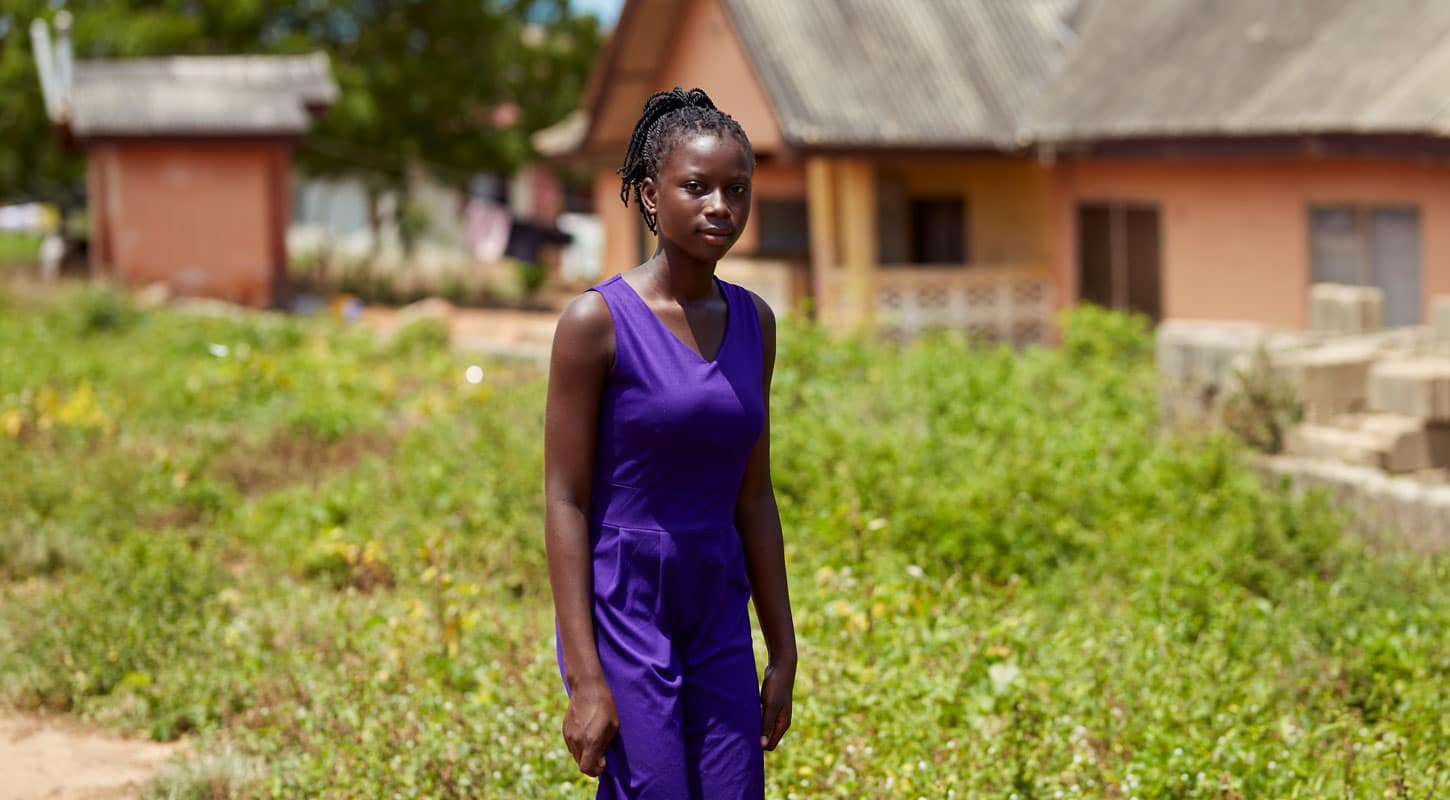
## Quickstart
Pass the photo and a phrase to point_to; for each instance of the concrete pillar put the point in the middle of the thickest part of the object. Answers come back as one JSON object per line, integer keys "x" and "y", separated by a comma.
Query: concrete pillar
{"x": 621, "y": 225}
{"x": 857, "y": 179}
{"x": 821, "y": 205}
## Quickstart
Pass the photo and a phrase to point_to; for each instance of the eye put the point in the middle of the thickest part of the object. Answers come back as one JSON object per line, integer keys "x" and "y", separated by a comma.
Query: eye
{"x": 739, "y": 189}
{"x": 694, "y": 186}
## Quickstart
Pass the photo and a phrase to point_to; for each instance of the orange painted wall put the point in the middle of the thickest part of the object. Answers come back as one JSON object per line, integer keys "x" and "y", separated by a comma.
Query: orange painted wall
{"x": 707, "y": 54}
{"x": 205, "y": 218}
{"x": 1008, "y": 202}
{"x": 1235, "y": 235}
{"x": 621, "y": 224}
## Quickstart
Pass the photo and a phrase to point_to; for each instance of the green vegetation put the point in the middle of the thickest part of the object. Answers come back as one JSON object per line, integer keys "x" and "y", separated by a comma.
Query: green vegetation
{"x": 322, "y": 555}
{"x": 19, "y": 249}
{"x": 418, "y": 82}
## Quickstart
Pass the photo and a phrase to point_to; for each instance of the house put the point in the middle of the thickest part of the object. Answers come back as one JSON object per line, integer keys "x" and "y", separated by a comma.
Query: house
{"x": 890, "y": 184}
{"x": 1215, "y": 158}
{"x": 187, "y": 164}
{"x": 980, "y": 164}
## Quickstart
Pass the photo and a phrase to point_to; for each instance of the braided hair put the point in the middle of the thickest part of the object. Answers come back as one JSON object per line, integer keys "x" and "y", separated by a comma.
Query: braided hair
{"x": 668, "y": 118}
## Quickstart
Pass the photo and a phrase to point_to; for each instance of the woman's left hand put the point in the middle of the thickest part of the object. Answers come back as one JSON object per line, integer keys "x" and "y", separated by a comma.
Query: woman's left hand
{"x": 775, "y": 694}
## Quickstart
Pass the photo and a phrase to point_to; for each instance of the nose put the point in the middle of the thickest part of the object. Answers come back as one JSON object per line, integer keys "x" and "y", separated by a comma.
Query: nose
{"x": 715, "y": 204}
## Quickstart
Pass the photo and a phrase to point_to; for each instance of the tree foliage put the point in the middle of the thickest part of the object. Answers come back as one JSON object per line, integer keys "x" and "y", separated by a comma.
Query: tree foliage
{"x": 434, "y": 81}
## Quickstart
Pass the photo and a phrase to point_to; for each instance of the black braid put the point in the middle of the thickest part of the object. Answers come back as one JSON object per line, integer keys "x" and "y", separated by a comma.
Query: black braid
{"x": 668, "y": 117}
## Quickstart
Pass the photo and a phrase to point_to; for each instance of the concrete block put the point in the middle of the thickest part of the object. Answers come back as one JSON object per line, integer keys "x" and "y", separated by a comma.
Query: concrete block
{"x": 1440, "y": 318}
{"x": 1393, "y": 443}
{"x": 1330, "y": 380}
{"x": 1414, "y": 387}
{"x": 1398, "y": 511}
{"x": 1333, "y": 444}
{"x": 1201, "y": 353}
{"x": 1337, "y": 308}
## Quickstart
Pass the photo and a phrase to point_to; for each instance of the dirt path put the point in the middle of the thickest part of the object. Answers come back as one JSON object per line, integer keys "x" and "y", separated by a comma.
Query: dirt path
{"x": 57, "y": 759}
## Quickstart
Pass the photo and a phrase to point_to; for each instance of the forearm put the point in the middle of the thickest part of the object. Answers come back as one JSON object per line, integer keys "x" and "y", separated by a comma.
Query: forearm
{"x": 571, "y": 575}
{"x": 760, "y": 532}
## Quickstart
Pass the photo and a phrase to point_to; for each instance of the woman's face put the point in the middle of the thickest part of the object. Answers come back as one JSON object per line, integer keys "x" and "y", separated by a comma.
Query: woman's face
{"x": 701, "y": 196}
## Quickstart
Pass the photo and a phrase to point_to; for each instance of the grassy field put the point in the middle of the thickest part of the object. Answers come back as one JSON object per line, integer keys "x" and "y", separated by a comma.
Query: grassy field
{"x": 322, "y": 557}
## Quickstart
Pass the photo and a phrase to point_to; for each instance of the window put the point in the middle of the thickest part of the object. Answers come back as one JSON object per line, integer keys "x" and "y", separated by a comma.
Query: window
{"x": 1118, "y": 252}
{"x": 1363, "y": 245}
{"x": 919, "y": 229}
{"x": 938, "y": 230}
{"x": 783, "y": 227}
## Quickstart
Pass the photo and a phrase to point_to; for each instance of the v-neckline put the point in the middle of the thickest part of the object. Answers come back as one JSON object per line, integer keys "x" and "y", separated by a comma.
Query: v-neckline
{"x": 724, "y": 335}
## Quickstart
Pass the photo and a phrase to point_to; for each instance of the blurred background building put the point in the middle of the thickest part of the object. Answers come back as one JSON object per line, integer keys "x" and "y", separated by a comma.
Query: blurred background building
{"x": 975, "y": 165}
{"x": 979, "y": 164}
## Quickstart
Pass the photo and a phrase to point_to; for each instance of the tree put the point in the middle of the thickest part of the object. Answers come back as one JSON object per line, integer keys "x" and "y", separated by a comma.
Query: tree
{"x": 420, "y": 81}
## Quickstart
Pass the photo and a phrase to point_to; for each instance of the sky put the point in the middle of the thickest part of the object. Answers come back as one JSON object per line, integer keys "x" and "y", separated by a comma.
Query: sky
{"x": 606, "y": 10}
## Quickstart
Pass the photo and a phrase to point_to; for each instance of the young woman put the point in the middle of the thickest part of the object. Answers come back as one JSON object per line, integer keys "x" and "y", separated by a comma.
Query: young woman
{"x": 661, "y": 520}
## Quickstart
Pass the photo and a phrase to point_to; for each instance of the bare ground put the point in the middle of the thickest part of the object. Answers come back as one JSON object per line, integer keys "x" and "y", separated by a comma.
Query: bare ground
{"x": 50, "y": 758}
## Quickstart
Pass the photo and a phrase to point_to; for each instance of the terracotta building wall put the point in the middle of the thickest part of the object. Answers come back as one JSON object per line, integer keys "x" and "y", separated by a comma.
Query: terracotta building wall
{"x": 1235, "y": 234}
{"x": 707, "y": 54}
{"x": 206, "y": 218}
{"x": 1008, "y": 203}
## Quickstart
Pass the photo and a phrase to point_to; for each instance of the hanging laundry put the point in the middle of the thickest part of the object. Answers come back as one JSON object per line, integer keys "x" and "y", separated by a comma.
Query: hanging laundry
{"x": 583, "y": 258}
{"x": 526, "y": 239}
{"x": 487, "y": 225}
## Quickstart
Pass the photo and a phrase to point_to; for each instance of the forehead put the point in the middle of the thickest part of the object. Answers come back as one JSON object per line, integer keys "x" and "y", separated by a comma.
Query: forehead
{"x": 706, "y": 152}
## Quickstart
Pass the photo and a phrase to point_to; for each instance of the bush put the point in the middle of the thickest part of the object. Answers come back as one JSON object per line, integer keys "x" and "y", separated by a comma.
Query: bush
{"x": 1262, "y": 406}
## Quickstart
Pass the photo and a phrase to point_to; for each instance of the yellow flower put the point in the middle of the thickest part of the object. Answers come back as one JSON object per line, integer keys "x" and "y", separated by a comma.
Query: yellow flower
{"x": 11, "y": 422}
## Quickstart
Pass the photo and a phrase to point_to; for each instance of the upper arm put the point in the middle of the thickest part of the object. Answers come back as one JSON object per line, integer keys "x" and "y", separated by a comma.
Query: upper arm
{"x": 757, "y": 470}
{"x": 578, "y": 368}
{"x": 767, "y": 337}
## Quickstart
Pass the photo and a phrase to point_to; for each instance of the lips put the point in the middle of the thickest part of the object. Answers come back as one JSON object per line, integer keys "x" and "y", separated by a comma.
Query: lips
{"x": 717, "y": 234}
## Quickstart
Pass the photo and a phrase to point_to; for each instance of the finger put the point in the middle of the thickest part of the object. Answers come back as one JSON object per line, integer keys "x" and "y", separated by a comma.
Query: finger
{"x": 591, "y": 760}
{"x": 767, "y": 723}
{"x": 782, "y": 723}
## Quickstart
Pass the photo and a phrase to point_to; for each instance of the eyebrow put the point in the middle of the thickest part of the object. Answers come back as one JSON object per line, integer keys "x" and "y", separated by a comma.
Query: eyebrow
{"x": 738, "y": 177}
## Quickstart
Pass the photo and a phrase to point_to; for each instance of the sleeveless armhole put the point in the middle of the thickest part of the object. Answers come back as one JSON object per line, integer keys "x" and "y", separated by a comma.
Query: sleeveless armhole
{"x": 743, "y": 298}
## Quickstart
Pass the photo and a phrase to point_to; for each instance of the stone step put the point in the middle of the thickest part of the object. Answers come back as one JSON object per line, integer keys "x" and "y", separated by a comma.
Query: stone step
{"x": 1393, "y": 443}
{"x": 1331, "y": 379}
{"x": 1413, "y": 387}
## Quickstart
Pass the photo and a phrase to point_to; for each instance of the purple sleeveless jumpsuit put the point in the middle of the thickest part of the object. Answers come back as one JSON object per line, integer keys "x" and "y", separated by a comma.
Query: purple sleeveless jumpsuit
{"x": 670, "y": 590}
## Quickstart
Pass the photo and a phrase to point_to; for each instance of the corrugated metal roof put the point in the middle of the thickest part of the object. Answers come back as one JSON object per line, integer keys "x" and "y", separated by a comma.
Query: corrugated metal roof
{"x": 1252, "y": 68}
{"x": 199, "y": 95}
{"x": 902, "y": 73}
{"x": 100, "y": 109}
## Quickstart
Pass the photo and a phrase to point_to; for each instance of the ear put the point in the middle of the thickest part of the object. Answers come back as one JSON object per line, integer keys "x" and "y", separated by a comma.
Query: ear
{"x": 647, "y": 196}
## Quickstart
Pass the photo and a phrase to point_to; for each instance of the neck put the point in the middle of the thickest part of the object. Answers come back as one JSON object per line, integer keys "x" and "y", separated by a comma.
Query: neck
{"x": 681, "y": 278}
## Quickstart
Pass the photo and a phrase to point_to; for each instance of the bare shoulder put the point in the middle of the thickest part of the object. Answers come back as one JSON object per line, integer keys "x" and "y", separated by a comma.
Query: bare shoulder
{"x": 585, "y": 327}
{"x": 587, "y": 313}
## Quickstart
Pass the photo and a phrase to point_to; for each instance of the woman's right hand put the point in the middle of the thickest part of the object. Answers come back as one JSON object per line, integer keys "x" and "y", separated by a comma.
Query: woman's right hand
{"x": 589, "y": 725}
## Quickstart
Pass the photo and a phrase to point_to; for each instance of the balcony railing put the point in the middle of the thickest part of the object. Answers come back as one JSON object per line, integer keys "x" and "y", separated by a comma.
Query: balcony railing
{"x": 1003, "y": 302}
